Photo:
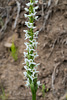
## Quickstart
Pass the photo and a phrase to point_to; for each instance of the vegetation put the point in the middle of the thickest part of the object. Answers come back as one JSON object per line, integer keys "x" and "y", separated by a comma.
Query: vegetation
{"x": 43, "y": 90}
{"x": 3, "y": 96}
{"x": 14, "y": 52}
{"x": 31, "y": 45}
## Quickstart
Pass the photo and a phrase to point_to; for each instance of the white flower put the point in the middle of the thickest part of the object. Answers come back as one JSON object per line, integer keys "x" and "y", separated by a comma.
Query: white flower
{"x": 30, "y": 55}
{"x": 26, "y": 60}
{"x": 25, "y": 54}
{"x": 36, "y": 7}
{"x": 34, "y": 55}
{"x": 29, "y": 25}
{"x": 26, "y": 67}
{"x": 29, "y": 4}
{"x": 25, "y": 15}
{"x": 27, "y": 45}
{"x": 36, "y": 18}
{"x": 31, "y": 77}
{"x": 34, "y": 43}
{"x": 26, "y": 9}
{"x": 36, "y": 33}
{"x": 36, "y": 66}
{"x": 36, "y": 1}
{"x": 31, "y": 62}
{"x": 25, "y": 73}
{"x": 34, "y": 72}
{"x": 27, "y": 36}
{"x": 30, "y": 50}
{"x": 27, "y": 82}
{"x": 30, "y": 15}
{"x": 38, "y": 83}
{"x": 26, "y": 31}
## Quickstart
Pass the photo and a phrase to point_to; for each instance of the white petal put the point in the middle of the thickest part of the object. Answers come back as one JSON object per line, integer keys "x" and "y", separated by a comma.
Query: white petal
{"x": 36, "y": 18}
{"x": 29, "y": 4}
{"x": 26, "y": 9}
{"x": 25, "y": 73}
{"x": 38, "y": 83}
{"x": 26, "y": 31}
{"x": 36, "y": 7}
{"x": 25, "y": 15}
{"x": 36, "y": 1}
{"x": 25, "y": 54}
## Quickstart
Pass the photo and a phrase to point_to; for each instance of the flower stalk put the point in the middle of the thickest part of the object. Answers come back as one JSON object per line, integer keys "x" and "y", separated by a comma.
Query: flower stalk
{"x": 30, "y": 54}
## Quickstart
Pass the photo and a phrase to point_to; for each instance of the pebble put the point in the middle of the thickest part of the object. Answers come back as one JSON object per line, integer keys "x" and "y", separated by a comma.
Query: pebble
{"x": 8, "y": 45}
{"x": 39, "y": 94}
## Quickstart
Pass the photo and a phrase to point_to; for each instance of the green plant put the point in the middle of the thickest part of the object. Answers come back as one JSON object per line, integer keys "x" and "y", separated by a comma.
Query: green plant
{"x": 3, "y": 96}
{"x": 14, "y": 52}
{"x": 31, "y": 45}
{"x": 43, "y": 90}
{"x": 66, "y": 97}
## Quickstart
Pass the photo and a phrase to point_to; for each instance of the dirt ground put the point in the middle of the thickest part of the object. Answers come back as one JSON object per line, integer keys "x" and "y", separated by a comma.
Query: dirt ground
{"x": 52, "y": 50}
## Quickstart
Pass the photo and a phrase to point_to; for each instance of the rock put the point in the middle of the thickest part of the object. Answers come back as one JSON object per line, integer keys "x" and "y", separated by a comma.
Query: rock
{"x": 43, "y": 68}
{"x": 12, "y": 38}
{"x": 8, "y": 45}
{"x": 47, "y": 81}
{"x": 39, "y": 94}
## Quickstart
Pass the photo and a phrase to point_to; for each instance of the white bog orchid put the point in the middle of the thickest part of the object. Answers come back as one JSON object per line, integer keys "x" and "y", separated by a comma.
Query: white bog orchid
{"x": 29, "y": 25}
{"x": 25, "y": 54}
{"x": 34, "y": 55}
{"x": 29, "y": 4}
{"x": 27, "y": 69}
{"x": 27, "y": 36}
{"x": 35, "y": 8}
{"x": 36, "y": 18}
{"x": 32, "y": 77}
{"x": 31, "y": 45}
{"x": 31, "y": 15}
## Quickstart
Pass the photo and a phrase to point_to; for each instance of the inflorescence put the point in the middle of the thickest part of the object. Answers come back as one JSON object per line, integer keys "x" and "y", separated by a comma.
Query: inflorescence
{"x": 30, "y": 54}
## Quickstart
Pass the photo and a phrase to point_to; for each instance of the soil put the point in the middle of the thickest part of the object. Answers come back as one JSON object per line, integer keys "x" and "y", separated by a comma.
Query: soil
{"x": 52, "y": 50}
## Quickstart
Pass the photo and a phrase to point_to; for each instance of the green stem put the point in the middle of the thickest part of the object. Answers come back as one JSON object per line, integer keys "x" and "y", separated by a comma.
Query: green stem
{"x": 33, "y": 96}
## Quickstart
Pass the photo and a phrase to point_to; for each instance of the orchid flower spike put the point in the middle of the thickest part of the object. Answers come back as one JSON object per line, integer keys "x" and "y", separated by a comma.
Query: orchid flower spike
{"x": 30, "y": 54}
